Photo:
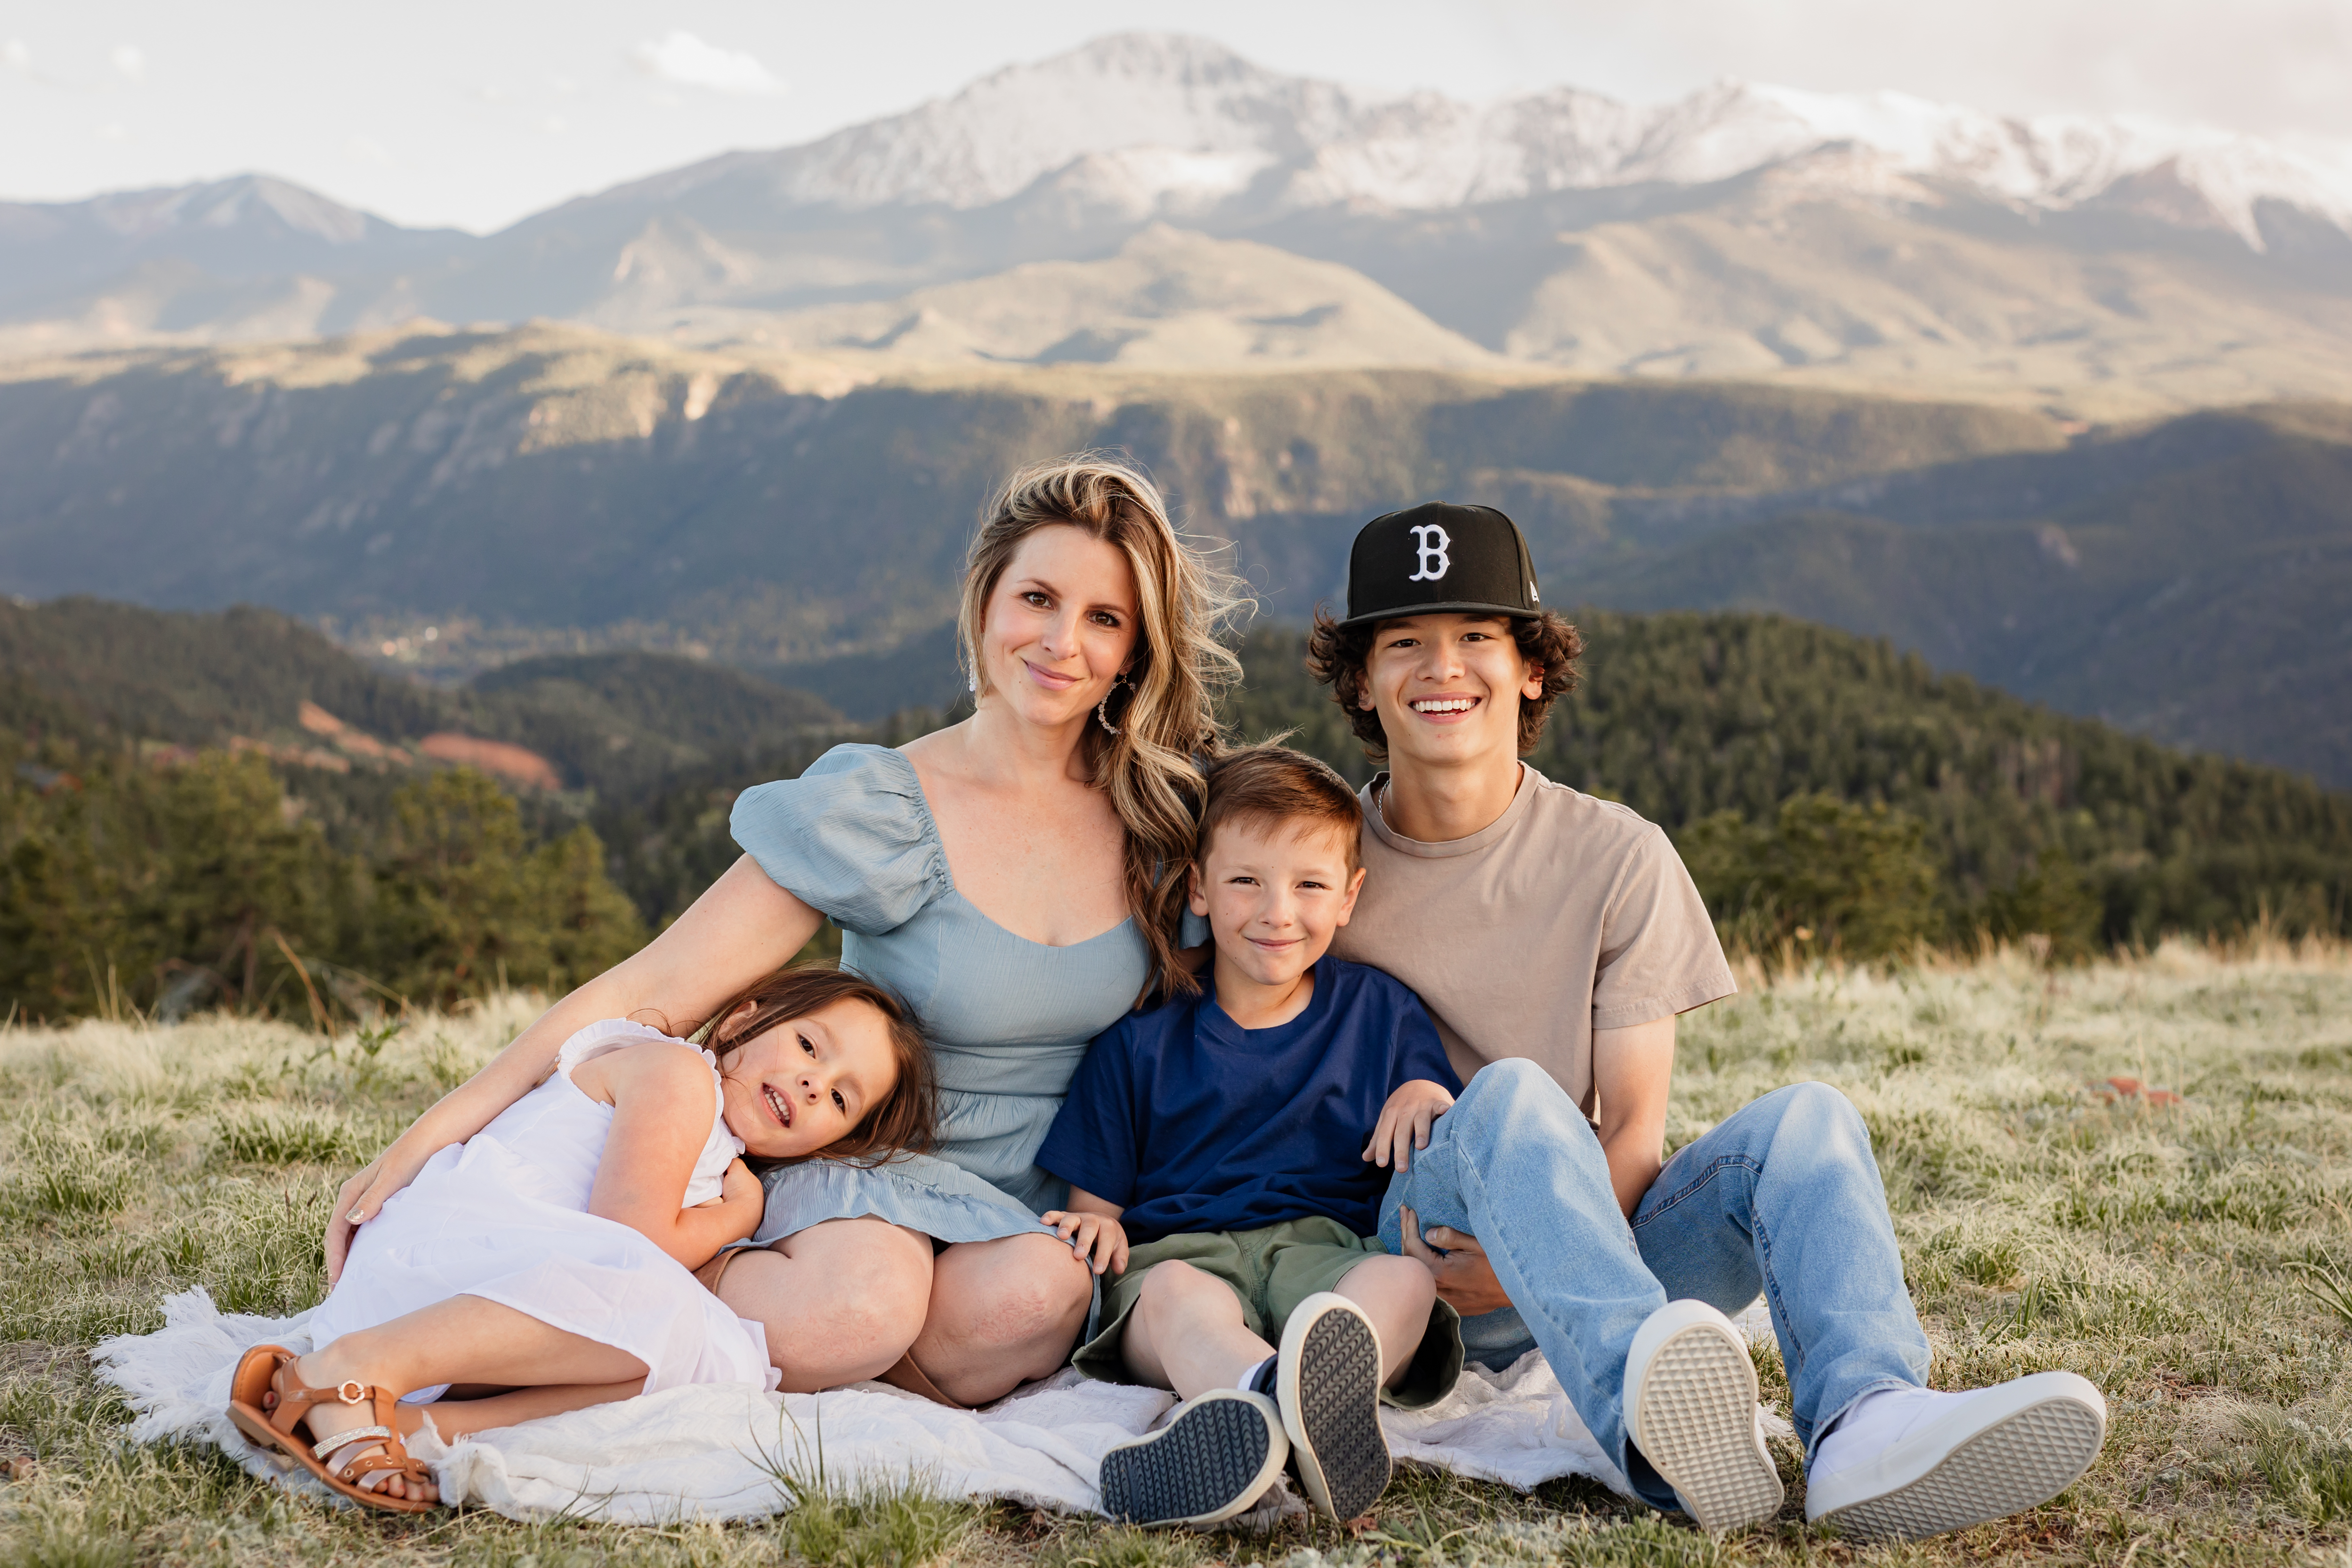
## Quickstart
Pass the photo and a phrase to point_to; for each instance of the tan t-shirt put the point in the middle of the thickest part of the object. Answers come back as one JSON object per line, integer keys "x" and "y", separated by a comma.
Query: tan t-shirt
{"x": 1564, "y": 915}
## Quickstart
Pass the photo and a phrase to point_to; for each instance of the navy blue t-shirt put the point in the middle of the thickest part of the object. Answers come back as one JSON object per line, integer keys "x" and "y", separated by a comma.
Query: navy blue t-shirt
{"x": 1190, "y": 1123}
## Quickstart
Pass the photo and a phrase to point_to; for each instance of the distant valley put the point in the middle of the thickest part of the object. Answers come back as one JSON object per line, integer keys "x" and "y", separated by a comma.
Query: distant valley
{"x": 558, "y": 487}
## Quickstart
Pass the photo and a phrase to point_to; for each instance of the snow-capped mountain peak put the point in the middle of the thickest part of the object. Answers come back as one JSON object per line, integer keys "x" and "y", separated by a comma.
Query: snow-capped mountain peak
{"x": 1146, "y": 123}
{"x": 2050, "y": 161}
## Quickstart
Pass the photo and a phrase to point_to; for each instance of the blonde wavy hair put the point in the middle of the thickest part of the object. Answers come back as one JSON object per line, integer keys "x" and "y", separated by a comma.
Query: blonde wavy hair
{"x": 1166, "y": 716}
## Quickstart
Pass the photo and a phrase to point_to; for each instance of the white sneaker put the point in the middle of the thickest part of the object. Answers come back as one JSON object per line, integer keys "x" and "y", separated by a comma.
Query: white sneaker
{"x": 1910, "y": 1462}
{"x": 1690, "y": 1407}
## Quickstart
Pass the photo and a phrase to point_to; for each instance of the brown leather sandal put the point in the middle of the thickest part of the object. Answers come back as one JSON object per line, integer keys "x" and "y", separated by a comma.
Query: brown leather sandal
{"x": 712, "y": 1272}
{"x": 267, "y": 1370}
{"x": 904, "y": 1373}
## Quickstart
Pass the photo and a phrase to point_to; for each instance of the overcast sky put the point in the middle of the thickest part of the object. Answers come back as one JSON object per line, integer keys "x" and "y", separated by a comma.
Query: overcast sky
{"x": 476, "y": 112}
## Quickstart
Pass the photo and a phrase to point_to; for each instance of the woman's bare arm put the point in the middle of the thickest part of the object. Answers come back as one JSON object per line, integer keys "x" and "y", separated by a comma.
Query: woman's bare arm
{"x": 742, "y": 927}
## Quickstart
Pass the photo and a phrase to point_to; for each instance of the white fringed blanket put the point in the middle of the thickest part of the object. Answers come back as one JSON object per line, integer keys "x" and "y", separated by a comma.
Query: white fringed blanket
{"x": 721, "y": 1452}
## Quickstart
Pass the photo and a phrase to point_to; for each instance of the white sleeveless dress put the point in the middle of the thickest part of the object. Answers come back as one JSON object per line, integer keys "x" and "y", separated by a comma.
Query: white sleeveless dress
{"x": 504, "y": 1215}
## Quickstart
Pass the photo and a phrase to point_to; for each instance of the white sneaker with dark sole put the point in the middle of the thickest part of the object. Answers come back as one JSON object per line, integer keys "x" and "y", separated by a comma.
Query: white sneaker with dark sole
{"x": 1984, "y": 1454}
{"x": 1690, "y": 1407}
{"x": 1215, "y": 1458}
{"x": 1327, "y": 1381}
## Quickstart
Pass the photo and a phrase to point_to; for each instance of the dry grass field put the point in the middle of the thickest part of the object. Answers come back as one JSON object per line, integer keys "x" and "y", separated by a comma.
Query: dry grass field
{"x": 2192, "y": 1258}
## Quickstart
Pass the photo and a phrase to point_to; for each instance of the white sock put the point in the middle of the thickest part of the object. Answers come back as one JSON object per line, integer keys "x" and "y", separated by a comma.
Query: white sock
{"x": 1248, "y": 1382}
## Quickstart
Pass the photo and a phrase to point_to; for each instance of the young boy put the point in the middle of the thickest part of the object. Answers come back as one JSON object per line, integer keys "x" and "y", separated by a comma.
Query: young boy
{"x": 1226, "y": 1155}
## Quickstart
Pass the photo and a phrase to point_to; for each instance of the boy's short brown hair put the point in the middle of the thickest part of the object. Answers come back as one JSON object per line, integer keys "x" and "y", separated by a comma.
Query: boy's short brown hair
{"x": 1336, "y": 656}
{"x": 1271, "y": 783}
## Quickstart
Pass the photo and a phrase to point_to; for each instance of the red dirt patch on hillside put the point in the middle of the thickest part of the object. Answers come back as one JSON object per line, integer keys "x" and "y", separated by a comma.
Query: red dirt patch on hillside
{"x": 519, "y": 763}
{"x": 319, "y": 721}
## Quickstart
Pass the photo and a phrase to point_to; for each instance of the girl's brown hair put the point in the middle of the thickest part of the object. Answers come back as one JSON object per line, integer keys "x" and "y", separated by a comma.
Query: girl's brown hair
{"x": 1166, "y": 715}
{"x": 905, "y": 1121}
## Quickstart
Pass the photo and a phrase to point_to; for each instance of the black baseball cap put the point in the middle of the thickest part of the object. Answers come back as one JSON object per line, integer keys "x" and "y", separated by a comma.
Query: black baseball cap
{"x": 1438, "y": 557}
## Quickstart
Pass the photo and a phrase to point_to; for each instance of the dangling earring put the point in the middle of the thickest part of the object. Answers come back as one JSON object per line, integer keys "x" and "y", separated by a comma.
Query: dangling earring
{"x": 1102, "y": 709}
{"x": 971, "y": 681}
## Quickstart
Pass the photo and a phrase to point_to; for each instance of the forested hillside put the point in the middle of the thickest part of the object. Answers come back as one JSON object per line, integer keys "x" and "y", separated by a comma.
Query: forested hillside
{"x": 2029, "y": 819}
{"x": 106, "y": 673}
{"x": 2026, "y": 821}
{"x": 1830, "y": 792}
{"x": 230, "y": 811}
{"x": 2187, "y": 581}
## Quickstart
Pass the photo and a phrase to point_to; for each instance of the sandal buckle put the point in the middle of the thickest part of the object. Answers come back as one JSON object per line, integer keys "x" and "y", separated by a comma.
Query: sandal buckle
{"x": 352, "y": 1391}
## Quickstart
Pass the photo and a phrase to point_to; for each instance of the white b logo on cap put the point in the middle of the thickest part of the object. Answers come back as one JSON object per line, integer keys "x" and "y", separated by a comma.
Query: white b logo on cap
{"x": 1434, "y": 563}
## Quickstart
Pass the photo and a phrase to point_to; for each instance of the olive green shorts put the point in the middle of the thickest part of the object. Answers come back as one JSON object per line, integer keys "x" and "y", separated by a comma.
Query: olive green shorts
{"x": 1271, "y": 1271}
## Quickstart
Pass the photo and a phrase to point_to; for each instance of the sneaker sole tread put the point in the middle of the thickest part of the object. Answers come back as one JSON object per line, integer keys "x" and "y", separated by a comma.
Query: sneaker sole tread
{"x": 1698, "y": 1430}
{"x": 1334, "y": 1419}
{"x": 1208, "y": 1465}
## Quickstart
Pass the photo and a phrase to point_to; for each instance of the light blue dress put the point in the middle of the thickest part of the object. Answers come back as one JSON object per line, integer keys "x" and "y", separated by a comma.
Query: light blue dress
{"x": 1008, "y": 1018}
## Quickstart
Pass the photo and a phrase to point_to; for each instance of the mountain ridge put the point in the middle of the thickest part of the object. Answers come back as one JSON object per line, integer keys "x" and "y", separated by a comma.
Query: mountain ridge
{"x": 1864, "y": 240}
{"x": 1196, "y": 99}
{"x": 1199, "y": 118}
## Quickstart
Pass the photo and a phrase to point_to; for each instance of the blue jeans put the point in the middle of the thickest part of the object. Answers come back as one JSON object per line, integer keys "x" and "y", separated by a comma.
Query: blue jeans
{"x": 1782, "y": 1197}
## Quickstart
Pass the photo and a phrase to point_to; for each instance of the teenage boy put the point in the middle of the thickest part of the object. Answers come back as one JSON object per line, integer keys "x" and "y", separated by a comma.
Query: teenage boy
{"x": 1222, "y": 1180}
{"x": 1554, "y": 937}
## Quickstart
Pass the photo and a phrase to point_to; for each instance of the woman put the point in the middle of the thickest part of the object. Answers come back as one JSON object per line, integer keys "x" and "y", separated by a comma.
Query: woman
{"x": 1017, "y": 878}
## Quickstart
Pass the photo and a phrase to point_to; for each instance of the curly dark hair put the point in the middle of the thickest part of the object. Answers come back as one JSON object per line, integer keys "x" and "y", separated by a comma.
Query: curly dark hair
{"x": 1336, "y": 654}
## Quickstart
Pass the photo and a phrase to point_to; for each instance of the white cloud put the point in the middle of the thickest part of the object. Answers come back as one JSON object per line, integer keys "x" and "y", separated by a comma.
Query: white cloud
{"x": 366, "y": 150}
{"x": 114, "y": 131}
{"x": 686, "y": 60}
{"x": 18, "y": 55}
{"x": 131, "y": 60}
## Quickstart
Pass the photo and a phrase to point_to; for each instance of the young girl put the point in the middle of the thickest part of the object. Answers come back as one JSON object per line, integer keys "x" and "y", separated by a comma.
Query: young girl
{"x": 551, "y": 1252}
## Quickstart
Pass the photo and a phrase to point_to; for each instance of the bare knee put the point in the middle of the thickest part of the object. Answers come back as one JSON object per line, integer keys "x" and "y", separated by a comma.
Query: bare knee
{"x": 880, "y": 1296}
{"x": 1398, "y": 1284}
{"x": 1173, "y": 1280}
{"x": 1176, "y": 1292}
{"x": 1003, "y": 1312}
{"x": 822, "y": 1332}
{"x": 1033, "y": 1287}
{"x": 838, "y": 1304}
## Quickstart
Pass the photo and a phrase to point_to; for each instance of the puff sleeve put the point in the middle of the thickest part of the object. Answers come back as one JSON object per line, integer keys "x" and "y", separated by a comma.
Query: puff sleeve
{"x": 852, "y": 837}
